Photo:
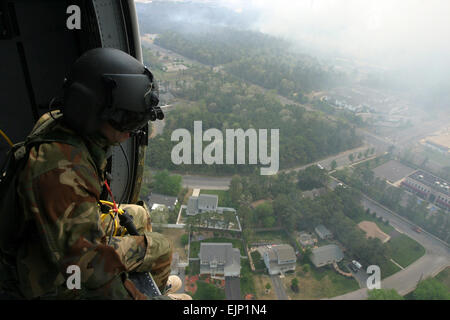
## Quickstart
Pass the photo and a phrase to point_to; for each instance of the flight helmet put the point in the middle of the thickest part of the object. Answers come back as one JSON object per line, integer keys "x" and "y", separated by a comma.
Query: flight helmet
{"x": 107, "y": 84}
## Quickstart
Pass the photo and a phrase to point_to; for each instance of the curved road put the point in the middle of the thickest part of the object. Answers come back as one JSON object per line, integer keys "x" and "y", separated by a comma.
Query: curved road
{"x": 436, "y": 258}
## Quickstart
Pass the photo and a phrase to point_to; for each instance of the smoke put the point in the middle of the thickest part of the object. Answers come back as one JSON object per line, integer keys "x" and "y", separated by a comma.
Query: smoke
{"x": 389, "y": 33}
{"x": 406, "y": 37}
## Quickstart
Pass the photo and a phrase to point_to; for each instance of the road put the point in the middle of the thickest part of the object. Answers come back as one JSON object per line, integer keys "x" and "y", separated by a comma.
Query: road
{"x": 279, "y": 288}
{"x": 436, "y": 258}
{"x": 223, "y": 183}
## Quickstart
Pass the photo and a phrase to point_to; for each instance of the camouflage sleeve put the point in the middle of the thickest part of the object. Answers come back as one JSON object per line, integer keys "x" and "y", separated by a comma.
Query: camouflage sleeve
{"x": 68, "y": 218}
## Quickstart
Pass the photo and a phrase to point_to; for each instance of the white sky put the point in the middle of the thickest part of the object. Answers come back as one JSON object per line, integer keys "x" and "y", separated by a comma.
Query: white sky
{"x": 389, "y": 32}
{"x": 399, "y": 33}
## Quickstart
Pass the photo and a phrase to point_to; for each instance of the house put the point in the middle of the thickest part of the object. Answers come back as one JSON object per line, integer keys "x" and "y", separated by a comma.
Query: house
{"x": 311, "y": 194}
{"x": 220, "y": 260}
{"x": 202, "y": 203}
{"x": 280, "y": 259}
{"x": 325, "y": 255}
{"x": 323, "y": 232}
{"x": 158, "y": 201}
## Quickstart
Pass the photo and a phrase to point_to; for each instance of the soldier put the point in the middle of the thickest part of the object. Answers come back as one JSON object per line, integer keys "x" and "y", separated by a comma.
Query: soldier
{"x": 108, "y": 95}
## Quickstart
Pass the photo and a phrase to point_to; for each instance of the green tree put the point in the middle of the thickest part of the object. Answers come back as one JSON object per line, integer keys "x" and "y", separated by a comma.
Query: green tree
{"x": 294, "y": 285}
{"x": 431, "y": 289}
{"x": 184, "y": 239}
{"x": 167, "y": 184}
{"x": 268, "y": 286}
{"x": 384, "y": 294}
{"x": 351, "y": 157}
{"x": 333, "y": 165}
{"x": 235, "y": 190}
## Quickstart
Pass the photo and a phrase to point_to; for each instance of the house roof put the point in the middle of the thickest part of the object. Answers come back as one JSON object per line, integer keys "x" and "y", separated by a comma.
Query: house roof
{"x": 326, "y": 254}
{"x": 285, "y": 253}
{"x": 322, "y": 231}
{"x": 192, "y": 206}
{"x": 223, "y": 253}
{"x": 156, "y": 198}
{"x": 215, "y": 251}
{"x": 208, "y": 201}
{"x": 281, "y": 253}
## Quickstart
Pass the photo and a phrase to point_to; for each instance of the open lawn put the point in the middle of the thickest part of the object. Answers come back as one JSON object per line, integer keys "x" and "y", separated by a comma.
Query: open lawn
{"x": 276, "y": 237}
{"x": 260, "y": 286}
{"x": 405, "y": 250}
{"x": 388, "y": 268}
{"x": 318, "y": 283}
{"x": 444, "y": 277}
{"x": 208, "y": 291}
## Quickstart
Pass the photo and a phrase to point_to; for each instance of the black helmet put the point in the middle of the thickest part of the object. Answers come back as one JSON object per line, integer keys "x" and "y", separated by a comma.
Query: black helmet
{"x": 107, "y": 84}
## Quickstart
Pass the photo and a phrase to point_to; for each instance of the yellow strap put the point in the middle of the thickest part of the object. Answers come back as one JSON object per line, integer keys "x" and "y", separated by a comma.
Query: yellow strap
{"x": 6, "y": 138}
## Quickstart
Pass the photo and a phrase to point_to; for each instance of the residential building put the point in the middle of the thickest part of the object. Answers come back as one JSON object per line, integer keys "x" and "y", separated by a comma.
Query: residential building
{"x": 158, "y": 201}
{"x": 202, "y": 203}
{"x": 325, "y": 255}
{"x": 220, "y": 260}
{"x": 323, "y": 232}
{"x": 280, "y": 259}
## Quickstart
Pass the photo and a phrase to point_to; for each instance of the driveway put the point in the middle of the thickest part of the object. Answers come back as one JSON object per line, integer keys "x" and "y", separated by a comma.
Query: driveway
{"x": 233, "y": 288}
{"x": 279, "y": 288}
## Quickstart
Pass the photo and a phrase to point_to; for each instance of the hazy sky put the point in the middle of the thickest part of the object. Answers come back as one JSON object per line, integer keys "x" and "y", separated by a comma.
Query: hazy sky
{"x": 388, "y": 32}
{"x": 412, "y": 35}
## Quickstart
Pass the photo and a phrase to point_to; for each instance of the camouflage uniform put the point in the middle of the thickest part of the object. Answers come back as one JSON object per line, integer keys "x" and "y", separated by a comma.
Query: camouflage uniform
{"x": 59, "y": 191}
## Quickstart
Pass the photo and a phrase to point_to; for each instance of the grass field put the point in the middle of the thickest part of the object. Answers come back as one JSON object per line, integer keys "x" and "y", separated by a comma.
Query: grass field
{"x": 405, "y": 250}
{"x": 277, "y": 237}
{"x": 207, "y": 291}
{"x": 318, "y": 283}
{"x": 444, "y": 277}
{"x": 260, "y": 282}
{"x": 388, "y": 268}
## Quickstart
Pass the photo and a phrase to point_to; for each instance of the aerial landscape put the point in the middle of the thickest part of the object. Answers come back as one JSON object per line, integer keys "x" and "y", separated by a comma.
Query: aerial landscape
{"x": 361, "y": 185}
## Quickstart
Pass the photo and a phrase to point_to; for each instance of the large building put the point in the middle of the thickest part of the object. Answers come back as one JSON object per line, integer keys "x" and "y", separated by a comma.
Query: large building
{"x": 429, "y": 187}
{"x": 202, "y": 203}
{"x": 280, "y": 259}
{"x": 220, "y": 260}
{"x": 325, "y": 255}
